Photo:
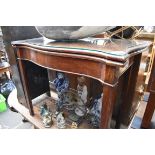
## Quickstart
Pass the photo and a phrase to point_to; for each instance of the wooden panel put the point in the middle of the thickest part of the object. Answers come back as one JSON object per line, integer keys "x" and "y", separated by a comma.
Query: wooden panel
{"x": 26, "y": 86}
{"x": 109, "y": 98}
{"x": 37, "y": 78}
{"x": 148, "y": 112}
{"x": 128, "y": 92}
{"x": 64, "y": 64}
{"x": 140, "y": 84}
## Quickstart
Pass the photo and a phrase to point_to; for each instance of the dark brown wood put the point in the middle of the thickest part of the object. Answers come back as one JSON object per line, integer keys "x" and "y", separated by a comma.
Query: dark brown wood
{"x": 125, "y": 92}
{"x": 109, "y": 97}
{"x": 38, "y": 78}
{"x": 25, "y": 86}
{"x": 65, "y": 63}
{"x": 148, "y": 111}
{"x": 132, "y": 88}
{"x": 126, "y": 118}
{"x": 87, "y": 59}
{"x": 140, "y": 84}
{"x": 62, "y": 63}
{"x": 151, "y": 101}
{"x": 128, "y": 92}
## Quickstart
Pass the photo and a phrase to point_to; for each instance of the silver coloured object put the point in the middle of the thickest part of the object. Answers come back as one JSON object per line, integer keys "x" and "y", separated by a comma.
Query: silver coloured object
{"x": 71, "y": 32}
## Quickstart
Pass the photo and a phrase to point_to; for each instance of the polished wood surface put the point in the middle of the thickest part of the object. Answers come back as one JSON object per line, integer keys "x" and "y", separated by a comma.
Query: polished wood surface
{"x": 115, "y": 49}
{"x": 105, "y": 63}
{"x": 49, "y": 57}
{"x": 109, "y": 98}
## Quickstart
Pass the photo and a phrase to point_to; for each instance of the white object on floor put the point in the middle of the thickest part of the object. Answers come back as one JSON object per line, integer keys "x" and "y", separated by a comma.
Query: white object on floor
{"x": 12, "y": 98}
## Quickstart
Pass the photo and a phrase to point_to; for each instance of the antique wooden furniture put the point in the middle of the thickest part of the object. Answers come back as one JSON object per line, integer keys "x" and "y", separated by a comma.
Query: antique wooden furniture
{"x": 104, "y": 60}
{"x": 146, "y": 36}
{"x": 151, "y": 101}
{"x": 128, "y": 110}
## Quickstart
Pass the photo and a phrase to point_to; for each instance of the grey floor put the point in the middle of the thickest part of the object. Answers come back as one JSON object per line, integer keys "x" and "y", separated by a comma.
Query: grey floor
{"x": 13, "y": 120}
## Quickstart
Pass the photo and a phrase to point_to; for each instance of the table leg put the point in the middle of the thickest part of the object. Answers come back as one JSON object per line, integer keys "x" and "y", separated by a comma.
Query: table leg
{"x": 25, "y": 83}
{"x": 148, "y": 112}
{"x": 109, "y": 96}
{"x": 109, "y": 99}
{"x": 128, "y": 92}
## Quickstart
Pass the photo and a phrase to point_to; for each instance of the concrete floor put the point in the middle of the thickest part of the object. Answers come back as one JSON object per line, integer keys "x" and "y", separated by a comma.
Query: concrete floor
{"x": 13, "y": 120}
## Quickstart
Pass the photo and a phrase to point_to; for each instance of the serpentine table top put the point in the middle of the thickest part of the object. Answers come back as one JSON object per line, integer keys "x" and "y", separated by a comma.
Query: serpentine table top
{"x": 111, "y": 51}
